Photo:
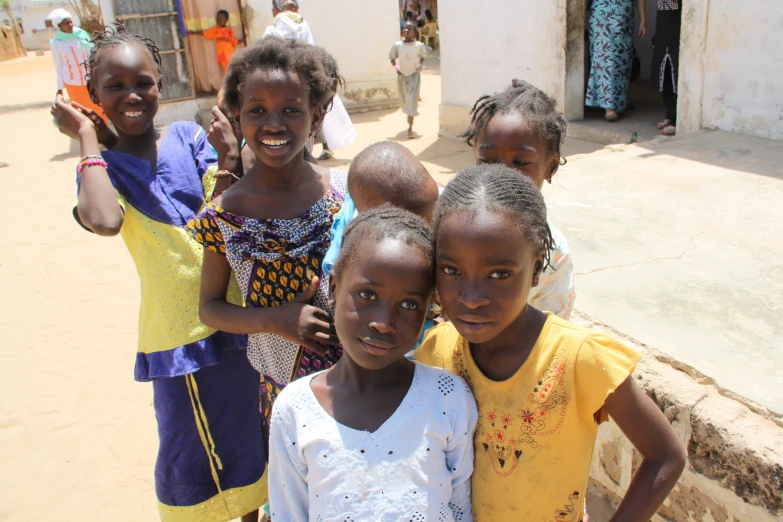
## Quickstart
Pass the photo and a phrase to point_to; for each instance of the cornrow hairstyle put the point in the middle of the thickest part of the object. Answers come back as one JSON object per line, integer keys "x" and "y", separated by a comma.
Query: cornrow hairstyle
{"x": 386, "y": 222}
{"x": 498, "y": 188}
{"x": 533, "y": 104}
{"x": 289, "y": 55}
{"x": 117, "y": 37}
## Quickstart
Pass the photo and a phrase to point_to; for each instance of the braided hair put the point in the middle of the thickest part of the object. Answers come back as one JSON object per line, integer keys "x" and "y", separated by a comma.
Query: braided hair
{"x": 498, "y": 188}
{"x": 288, "y": 55}
{"x": 386, "y": 222}
{"x": 117, "y": 37}
{"x": 533, "y": 104}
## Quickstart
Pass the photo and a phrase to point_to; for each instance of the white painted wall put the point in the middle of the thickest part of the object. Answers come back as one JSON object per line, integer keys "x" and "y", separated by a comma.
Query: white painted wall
{"x": 33, "y": 14}
{"x": 743, "y": 72}
{"x": 524, "y": 40}
{"x": 358, "y": 36}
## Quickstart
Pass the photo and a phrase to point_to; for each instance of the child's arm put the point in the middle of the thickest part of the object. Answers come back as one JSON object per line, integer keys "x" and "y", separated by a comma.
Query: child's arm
{"x": 221, "y": 136}
{"x": 97, "y": 207}
{"x": 288, "y": 495}
{"x": 296, "y": 320}
{"x": 58, "y": 59}
{"x": 393, "y": 55}
{"x": 459, "y": 452}
{"x": 651, "y": 434}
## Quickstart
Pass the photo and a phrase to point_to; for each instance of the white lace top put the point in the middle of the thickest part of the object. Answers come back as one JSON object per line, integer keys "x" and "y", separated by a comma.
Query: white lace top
{"x": 416, "y": 466}
{"x": 555, "y": 291}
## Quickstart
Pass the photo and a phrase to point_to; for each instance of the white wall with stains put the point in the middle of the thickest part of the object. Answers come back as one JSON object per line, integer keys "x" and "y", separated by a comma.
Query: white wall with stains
{"x": 743, "y": 70}
{"x": 484, "y": 45}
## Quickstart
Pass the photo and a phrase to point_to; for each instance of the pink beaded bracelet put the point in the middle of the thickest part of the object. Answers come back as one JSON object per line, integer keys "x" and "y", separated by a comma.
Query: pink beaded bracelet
{"x": 89, "y": 161}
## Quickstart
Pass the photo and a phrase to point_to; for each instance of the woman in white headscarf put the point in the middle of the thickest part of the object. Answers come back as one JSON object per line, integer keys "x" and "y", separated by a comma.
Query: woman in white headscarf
{"x": 70, "y": 50}
{"x": 337, "y": 131}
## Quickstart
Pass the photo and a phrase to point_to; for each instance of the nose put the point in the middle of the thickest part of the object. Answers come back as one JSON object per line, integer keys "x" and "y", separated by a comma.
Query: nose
{"x": 132, "y": 97}
{"x": 273, "y": 123}
{"x": 384, "y": 321}
{"x": 472, "y": 296}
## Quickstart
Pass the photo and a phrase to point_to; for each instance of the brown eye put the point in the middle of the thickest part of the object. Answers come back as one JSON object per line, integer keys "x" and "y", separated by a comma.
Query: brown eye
{"x": 500, "y": 275}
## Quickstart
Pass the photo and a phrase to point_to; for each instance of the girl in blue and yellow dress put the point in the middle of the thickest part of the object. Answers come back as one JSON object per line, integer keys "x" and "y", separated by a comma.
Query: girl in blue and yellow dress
{"x": 211, "y": 461}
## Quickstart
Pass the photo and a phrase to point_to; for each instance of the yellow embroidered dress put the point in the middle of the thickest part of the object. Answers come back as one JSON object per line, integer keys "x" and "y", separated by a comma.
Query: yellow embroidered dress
{"x": 536, "y": 431}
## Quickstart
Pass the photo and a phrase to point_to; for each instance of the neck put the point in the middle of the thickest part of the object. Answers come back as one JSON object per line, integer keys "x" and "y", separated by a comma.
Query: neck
{"x": 522, "y": 334}
{"x": 289, "y": 175}
{"x": 137, "y": 143}
{"x": 347, "y": 372}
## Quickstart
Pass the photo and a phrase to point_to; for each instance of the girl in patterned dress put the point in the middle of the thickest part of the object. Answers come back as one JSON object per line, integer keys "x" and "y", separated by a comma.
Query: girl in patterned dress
{"x": 542, "y": 384}
{"x": 520, "y": 128}
{"x": 211, "y": 460}
{"x": 272, "y": 227}
{"x": 376, "y": 437}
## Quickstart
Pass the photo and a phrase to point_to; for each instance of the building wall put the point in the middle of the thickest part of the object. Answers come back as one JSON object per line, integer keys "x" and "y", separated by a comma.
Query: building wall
{"x": 743, "y": 73}
{"x": 484, "y": 45}
{"x": 360, "y": 45}
{"x": 33, "y": 14}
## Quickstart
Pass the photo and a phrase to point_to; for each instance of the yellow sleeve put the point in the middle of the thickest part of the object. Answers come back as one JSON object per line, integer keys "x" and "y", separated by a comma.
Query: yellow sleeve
{"x": 432, "y": 351}
{"x": 602, "y": 364}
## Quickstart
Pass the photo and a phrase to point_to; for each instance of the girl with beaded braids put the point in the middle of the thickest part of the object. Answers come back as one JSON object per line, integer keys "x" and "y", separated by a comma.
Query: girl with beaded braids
{"x": 211, "y": 460}
{"x": 376, "y": 436}
{"x": 272, "y": 227}
{"x": 521, "y": 128}
{"x": 542, "y": 384}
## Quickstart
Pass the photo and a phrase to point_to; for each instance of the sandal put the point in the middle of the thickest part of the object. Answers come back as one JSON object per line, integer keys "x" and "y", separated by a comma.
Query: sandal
{"x": 611, "y": 115}
{"x": 665, "y": 123}
{"x": 669, "y": 130}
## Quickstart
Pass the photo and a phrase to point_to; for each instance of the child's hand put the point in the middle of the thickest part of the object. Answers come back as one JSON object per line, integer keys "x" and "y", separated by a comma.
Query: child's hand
{"x": 304, "y": 324}
{"x": 69, "y": 120}
{"x": 221, "y": 135}
{"x": 105, "y": 135}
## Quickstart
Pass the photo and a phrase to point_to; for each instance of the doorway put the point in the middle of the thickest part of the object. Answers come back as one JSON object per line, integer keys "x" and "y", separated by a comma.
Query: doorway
{"x": 638, "y": 122}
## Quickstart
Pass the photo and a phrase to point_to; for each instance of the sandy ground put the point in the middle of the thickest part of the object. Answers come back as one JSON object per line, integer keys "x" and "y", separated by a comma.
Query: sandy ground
{"x": 78, "y": 435}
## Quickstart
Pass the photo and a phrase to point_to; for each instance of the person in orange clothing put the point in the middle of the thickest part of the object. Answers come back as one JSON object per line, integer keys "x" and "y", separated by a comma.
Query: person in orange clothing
{"x": 225, "y": 41}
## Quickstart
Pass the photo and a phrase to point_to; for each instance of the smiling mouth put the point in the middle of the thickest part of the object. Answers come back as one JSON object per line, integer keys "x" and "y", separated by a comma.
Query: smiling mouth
{"x": 133, "y": 114}
{"x": 275, "y": 144}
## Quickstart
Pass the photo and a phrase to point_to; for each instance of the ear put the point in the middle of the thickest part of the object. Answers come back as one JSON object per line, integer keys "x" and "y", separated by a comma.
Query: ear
{"x": 538, "y": 271}
{"x": 332, "y": 299}
{"x": 160, "y": 85}
{"x": 236, "y": 118}
{"x": 318, "y": 120}
{"x": 554, "y": 165}
{"x": 92, "y": 93}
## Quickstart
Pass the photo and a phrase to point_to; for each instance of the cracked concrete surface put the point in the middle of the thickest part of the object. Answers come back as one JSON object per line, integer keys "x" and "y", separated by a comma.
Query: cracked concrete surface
{"x": 676, "y": 244}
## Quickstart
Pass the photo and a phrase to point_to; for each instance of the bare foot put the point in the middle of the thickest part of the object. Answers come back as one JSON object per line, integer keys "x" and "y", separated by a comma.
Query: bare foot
{"x": 665, "y": 123}
{"x": 669, "y": 130}
{"x": 611, "y": 115}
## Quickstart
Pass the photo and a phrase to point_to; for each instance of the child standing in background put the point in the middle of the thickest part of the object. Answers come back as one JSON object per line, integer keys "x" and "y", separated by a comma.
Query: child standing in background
{"x": 521, "y": 128}
{"x": 225, "y": 41}
{"x": 407, "y": 57}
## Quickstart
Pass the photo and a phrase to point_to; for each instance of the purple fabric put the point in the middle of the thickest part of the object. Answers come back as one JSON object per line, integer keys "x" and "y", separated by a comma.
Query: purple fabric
{"x": 228, "y": 393}
{"x": 173, "y": 193}
{"x": 188, "y": 358}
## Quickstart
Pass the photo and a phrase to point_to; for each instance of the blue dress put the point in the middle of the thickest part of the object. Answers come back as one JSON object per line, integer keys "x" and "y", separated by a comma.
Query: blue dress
{"x": 610, "y": 29}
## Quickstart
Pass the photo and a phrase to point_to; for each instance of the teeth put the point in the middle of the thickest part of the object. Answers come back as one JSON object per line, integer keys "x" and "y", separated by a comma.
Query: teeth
{"x": 274, "y": 143}
{"x": 134, "y": 114}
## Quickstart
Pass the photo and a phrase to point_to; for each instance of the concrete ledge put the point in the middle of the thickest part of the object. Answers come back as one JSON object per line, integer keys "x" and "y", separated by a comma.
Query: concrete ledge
{"x": 454, "y": 119}
{"x": 370, "y": 95}
{"x": 735, "y": 456}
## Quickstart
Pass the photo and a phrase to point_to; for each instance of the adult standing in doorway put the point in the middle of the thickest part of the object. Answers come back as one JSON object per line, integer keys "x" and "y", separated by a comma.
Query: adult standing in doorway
{"x": 666, "y": 60}
{"x": 70, "y": 50}
{"x": 610, "y": 31}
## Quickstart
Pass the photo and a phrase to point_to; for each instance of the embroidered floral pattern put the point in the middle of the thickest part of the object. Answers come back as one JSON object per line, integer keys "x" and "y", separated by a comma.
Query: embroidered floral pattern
{"x": 570, "y": 512}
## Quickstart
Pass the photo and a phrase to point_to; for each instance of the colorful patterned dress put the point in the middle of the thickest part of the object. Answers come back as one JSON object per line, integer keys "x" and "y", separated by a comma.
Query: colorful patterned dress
{"x": 274, "y": 261}
{"x": 211, "y": 460}
{"x": 610, "y": 30}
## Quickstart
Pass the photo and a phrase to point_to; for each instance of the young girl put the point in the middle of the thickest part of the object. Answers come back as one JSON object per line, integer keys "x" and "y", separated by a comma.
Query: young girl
{"x": 211, "y": 459}
{"x": 521, "y": 128}
{"x": 541, "y": 383}
{"x": 376, "y": 437}
{"x": 407, "y": 56}
{"x": 273, "y": 226}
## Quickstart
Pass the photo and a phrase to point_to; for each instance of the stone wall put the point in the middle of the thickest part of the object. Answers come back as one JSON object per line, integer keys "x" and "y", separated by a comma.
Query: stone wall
{"x": 735, "y": 456}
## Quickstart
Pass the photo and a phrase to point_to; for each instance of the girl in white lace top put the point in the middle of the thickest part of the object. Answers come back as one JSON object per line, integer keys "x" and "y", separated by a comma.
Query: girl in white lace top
{"x": 376, "y": 437}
